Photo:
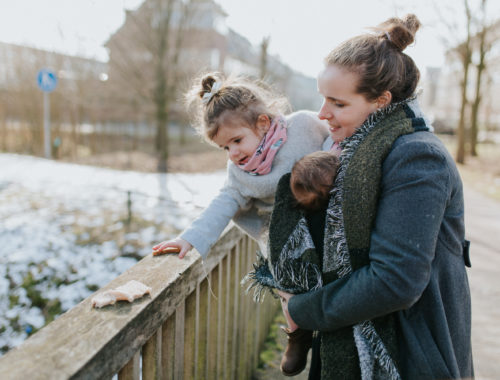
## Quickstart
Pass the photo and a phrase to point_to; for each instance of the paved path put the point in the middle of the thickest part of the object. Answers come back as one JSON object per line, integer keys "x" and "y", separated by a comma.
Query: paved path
{"x": 483, "y": 230}
{"x": 482, "y": 219}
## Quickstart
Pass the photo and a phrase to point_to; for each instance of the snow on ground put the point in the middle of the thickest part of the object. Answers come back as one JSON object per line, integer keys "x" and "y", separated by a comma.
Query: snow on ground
{"x": 64, "y": 231}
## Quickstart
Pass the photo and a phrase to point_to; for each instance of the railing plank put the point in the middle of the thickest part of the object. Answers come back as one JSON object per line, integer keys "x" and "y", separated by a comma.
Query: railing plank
{"x": 168, "y": 348}
{"x": 151, "y": 355}
{"x": 179, "y": 342}
{"x": 132, "y": 370}
{"x": 190, "y": 336}
{"x": 221, "y": 319}
{"x": 203, "y": 336}
{"x": 241, "y": 357}
{"x": 213, "y": 333}
{"x": 251, "y": 313}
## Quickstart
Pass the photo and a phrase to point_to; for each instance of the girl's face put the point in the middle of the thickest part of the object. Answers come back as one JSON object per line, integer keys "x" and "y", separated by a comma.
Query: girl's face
{"x": 239, "y": 139}
{"x": 343, "y": 108}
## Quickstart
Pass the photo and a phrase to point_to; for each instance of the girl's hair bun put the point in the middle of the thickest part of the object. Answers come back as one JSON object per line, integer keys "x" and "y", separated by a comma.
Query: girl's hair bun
{"x": 400, "y": 32}
{"x": 207, "y": 82}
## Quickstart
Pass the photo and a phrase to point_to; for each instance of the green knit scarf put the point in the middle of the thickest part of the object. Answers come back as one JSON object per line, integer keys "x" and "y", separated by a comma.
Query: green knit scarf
{"x": 350, "y": 217}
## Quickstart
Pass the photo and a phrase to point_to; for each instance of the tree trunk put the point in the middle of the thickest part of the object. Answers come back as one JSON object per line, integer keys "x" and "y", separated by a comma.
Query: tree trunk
{"x": 465, "y": 54}
{"x": 263, "y": 57}
{"x": 460, "y": 153}
{"x": 160, "y": 96}
{"x": 480, "y": 67}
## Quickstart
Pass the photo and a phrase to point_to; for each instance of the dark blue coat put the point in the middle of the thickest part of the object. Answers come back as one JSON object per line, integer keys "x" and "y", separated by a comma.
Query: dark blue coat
{"x": 416, "y": 266}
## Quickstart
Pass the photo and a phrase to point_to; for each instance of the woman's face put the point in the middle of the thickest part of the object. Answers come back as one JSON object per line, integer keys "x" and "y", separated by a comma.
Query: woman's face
{"x": 343, "y": 108}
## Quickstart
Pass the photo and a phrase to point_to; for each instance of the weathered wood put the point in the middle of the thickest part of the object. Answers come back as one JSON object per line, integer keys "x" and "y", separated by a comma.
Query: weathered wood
{"x": 179, "y": 342}
{"x": 227, "y": 318}
{"x": 251, "y": 313}
{"x": 194, "y": 334}
{"x": 115, "y": 332}
{"x": 213, "y": 333}
{"x": 190, "y": 336}
{"x": 168, "y": 348}
{"x": 242, "y": 352}
{"x": 131, "y": 370}
{"x": 221, "y": 321}
{"x": 203, "y": 331}
{"x": 151, "y": 355}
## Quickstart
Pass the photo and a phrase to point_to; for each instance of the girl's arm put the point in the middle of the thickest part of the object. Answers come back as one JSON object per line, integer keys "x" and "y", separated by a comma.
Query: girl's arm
{"x": 206, "y": 229}
{"x": 415, "y": 192}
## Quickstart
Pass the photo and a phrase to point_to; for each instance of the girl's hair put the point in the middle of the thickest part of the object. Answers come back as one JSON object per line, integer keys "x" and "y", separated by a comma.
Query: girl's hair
{"x": 213, "y": 98}
{"x": 312, "y": 179}
{"x": 379, "y": 60}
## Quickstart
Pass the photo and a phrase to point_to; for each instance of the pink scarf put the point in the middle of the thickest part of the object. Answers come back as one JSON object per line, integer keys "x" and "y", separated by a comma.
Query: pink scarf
{"x": 336, "y": 148}
{"x": 262, "y": 160}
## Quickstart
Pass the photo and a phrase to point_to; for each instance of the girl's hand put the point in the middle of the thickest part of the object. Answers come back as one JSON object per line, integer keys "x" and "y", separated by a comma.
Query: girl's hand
{"x": 181, "y": 245}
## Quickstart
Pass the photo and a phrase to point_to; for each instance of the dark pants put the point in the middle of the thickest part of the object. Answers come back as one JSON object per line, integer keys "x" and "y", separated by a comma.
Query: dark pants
{"x": 315, "y": 370}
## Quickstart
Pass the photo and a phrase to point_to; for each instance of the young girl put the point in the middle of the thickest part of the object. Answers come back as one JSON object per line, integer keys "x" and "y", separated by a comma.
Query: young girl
{"x": 246, "y": 120}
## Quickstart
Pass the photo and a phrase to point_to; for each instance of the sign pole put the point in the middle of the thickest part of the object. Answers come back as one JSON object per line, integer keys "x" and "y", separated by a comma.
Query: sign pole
{"x": 46, "y": 124}
{"x": 47, "y": 81}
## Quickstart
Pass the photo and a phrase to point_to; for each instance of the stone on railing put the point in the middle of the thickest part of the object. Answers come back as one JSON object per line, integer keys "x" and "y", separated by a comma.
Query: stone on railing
{"x": 198, "y": 323}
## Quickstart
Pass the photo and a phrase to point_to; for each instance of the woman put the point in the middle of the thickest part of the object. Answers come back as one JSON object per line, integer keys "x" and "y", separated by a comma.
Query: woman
{"x": 396, "y": 303}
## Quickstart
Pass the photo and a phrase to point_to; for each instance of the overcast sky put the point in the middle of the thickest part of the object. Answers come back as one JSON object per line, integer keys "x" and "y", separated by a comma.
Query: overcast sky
{"x": 301, "y": 31}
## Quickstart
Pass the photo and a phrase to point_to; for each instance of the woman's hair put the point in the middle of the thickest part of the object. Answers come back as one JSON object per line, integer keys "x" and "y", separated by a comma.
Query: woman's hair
{"x": 214, "y": 98}
{"x": 379, "y": 60}
{"x": 312, "y": 179}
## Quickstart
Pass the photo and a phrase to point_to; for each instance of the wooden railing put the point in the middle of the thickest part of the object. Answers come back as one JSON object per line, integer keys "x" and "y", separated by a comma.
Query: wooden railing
{"x": 198, "y": 323}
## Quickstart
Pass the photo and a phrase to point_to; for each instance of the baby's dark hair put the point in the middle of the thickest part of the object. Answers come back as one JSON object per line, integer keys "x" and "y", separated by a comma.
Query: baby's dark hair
{"x": 213, "y": 98}
{"x": 312, "y": 179}
{"x": 379, "y": 60}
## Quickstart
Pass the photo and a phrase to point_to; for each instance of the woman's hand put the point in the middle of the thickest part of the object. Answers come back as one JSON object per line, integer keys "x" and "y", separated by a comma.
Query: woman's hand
{"x": 182, "y": 245}
{"x": 285, "y": 297}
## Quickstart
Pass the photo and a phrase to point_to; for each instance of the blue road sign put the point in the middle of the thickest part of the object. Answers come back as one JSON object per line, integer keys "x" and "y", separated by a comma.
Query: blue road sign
{"x": 47, "y": 80}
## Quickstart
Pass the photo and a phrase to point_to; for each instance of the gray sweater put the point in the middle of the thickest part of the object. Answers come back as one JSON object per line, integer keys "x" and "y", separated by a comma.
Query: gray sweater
{"x": 247, "y": 199}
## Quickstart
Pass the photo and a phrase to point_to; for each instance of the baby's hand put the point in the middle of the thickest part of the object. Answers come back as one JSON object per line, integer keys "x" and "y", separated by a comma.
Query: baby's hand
{"x": 172, "y": 246}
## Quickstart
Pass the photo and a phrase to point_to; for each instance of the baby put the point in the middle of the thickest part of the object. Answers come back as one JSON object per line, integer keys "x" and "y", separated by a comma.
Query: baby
{"x": 312, "y": 179}
{"x": 294, "y": 266}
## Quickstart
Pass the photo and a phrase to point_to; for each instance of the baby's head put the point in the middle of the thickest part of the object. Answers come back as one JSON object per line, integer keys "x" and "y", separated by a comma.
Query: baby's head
{"x": 312, "y": 179}
{"x": 227, "y": 108}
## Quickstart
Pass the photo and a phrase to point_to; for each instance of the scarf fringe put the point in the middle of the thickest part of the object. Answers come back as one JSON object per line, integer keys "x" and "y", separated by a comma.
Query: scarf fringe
{"x": 260, "y": 279}
{"x": 288, "y": 275}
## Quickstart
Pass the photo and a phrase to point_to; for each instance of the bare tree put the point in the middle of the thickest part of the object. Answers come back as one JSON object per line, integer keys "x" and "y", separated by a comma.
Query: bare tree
{"x": 476, "y": 40}
{"x": 264, "y": 46}
{"x": 145, "y": 57}
{"x": 483, "y": 43}
{"x": 465, "y": 54}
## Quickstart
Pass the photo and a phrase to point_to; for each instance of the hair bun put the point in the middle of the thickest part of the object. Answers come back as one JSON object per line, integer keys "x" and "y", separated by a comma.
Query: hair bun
{"x": 206, "y": 84}
{"x": 401, "y": 32}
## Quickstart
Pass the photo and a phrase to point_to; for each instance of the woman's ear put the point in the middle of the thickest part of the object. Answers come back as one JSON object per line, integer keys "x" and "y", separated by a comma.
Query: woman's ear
{"x": 263, "y": 123}
{"x": 384, "y": 99}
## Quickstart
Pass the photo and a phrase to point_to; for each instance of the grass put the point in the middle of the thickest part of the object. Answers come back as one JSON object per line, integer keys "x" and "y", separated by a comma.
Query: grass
{"x": 272, "y": 349}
